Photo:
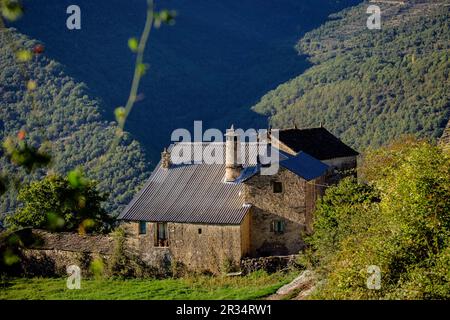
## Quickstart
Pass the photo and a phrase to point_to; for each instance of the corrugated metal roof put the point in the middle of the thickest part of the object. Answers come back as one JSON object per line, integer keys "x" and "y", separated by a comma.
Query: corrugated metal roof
{"x": 305, "y": 166}
{"x": 189, "y": 193}
{"x": 197, "y": 193}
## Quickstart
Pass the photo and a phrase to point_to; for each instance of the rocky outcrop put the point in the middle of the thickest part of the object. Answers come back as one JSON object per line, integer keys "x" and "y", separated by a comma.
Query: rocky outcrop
{"x": 304, "y": 279}
{"x": 298, "y": 289}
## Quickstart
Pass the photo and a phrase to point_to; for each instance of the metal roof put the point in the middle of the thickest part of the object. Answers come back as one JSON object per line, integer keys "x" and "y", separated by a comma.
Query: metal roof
{"x": 197, "y": 192}
{"x": 192, "y": 193}
{"x": 305, "y": 166}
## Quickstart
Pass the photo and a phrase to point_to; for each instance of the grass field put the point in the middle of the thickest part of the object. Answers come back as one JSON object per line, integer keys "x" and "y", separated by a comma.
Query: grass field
{"x": 254, "y": 286}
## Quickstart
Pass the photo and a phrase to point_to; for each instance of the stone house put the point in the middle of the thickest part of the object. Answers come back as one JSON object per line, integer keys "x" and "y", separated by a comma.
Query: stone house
{"x": 207, "y": 216}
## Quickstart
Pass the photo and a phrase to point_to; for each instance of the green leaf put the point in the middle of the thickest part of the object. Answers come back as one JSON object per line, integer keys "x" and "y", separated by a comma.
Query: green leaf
{"x": 54, "y": 221}
{"x": 76, "y": 179}
{"x": 165, "y": 16}
{"x": 133, "y": 44}
{"x": 24, "y": 55}
{"x": 11, "y": 9}
{"x": 142, "y": 68}
{"x": 97, "y": 267}
{"x": 19, "y": 153}
{"x": 10, "y": 258}
{"x": 120, "y": 114}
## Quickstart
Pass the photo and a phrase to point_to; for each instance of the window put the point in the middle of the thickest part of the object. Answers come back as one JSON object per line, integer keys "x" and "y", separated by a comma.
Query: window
{"x": 161, "y": 235}
{"x": 277, "y": 187}
{"x": 277, "y": 226}
{"x": 199, "y": 230}
{"x": 142, "y": 227}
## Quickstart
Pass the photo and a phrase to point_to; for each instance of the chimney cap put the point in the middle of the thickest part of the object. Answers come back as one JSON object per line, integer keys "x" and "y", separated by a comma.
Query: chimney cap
{"x": 165, "y": 159}
{"x": 231, "y": 131}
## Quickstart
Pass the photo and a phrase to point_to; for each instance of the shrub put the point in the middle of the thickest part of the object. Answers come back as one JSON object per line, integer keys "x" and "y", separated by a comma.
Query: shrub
{"x": 56, "y": 204}
{"x": 399, "y": 221}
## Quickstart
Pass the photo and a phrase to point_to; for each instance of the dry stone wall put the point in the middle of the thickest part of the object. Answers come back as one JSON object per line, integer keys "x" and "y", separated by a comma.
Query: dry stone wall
{"x": 51, "y": 253}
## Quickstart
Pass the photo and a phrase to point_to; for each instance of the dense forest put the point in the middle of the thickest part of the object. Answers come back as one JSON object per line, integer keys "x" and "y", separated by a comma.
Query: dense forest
{"x": 216, "y": 62}
{"x": 371, "y": 86}
{"x": 62, "y": 118}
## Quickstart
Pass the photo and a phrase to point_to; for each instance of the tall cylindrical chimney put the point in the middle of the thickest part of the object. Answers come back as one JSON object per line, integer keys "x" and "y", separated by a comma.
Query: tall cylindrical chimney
{"x": 165, "y": 159}
{"x": 233, "y": 163}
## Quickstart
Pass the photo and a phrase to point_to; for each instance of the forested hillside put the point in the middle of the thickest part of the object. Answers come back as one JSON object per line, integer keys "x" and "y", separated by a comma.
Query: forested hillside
{"x": 65, "y": 120}
{"x": 216, "y": 62}
{"x": 370, "y": 86}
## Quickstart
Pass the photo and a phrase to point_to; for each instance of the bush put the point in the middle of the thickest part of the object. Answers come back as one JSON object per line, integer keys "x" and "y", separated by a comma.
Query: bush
{"x": 56, "y": 204}
{"x": 399, "y": 221}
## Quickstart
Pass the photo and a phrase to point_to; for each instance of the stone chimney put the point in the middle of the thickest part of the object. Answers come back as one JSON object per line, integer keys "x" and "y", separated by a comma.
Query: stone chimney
{"x": 165, "y": 159}
{"x": 233, "y": 165}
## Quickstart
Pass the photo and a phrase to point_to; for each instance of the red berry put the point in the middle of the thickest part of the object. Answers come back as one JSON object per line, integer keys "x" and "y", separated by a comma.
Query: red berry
{"x": 38, "y": 49}
{"x": 21, "y": 135}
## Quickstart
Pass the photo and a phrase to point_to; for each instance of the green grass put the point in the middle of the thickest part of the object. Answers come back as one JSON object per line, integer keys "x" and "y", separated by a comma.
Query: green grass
{"x": 253, "y": 286}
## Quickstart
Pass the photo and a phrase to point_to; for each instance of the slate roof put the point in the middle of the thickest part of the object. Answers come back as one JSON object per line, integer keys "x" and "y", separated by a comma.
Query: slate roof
{"x": 197, "y": 193}
{"x": 317, "y": 142}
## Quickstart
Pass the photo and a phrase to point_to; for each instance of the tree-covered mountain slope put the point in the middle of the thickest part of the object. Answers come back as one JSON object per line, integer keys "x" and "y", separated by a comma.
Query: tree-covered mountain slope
{"x": 217, "y": 61}
{"x": 370, "y": 86}
{"x": 68, "y": 121}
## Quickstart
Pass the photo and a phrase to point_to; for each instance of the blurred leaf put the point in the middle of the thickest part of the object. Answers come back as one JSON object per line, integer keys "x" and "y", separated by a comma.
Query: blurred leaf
{"x": 21, "y": 135}
{"x": 23, "y": 55}
{"x": 133, "y": 44}
{"x": 9, "y": 258}
{"x": 142, "y": 68}
{"x": 38, "y": 49}
{"x": 19, "y": 153}
{"x": 97, "y": 267}
{"x": 55, "y": 221}
{"x": 81, "y": 201}
{"x": 11, "y": 9}
{"x": 76, "y": 179}
{"x": 119, "y": 113}
{"x": 86, "y": 226}
{"x": 31, "y": 85}
{"x": 165, "y": 16}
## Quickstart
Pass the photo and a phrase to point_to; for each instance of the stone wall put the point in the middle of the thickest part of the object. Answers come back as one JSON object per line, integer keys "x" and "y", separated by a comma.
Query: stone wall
{"x": 265, "y": 242}
{"x": 51, "y": 253}
{"x": 269, "y": 264}
{"x": 69, "y": 241}
{"x": 41, "y": 262}
{"x": 215, "y": 248}
{"x": 142, "y": 245}
{"x": 289, "y": 206}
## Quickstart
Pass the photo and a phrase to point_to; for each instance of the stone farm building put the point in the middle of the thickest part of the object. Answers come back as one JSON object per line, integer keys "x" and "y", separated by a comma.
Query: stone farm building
{"x": 206, "y": 216}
